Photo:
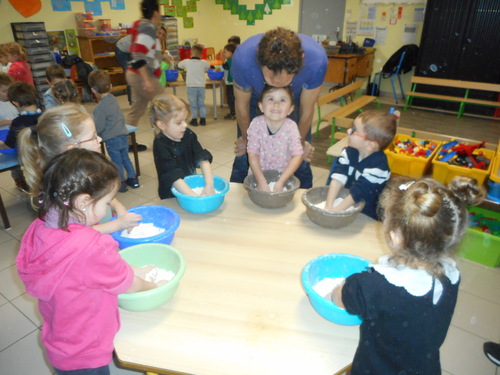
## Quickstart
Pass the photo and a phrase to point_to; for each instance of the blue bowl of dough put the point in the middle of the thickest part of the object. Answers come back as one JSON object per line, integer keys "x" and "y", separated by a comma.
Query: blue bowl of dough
{"x": 215, "y": 75}
{"x": 333, "y": 265}
{"x": 161, "y": 217}
{"x": 202, "y": 204}
{"x": 3, "y": 137}
{"x": 171, "y": 75}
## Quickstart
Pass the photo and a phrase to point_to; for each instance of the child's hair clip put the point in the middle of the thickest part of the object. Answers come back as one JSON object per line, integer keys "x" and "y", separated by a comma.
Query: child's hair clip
{"x": 395, "y": 113}
{"x": 66, "y": 130}
{"x": 54, "y": 194}
{"x": 406, "y": 186}
{"x": 66, "y": 203}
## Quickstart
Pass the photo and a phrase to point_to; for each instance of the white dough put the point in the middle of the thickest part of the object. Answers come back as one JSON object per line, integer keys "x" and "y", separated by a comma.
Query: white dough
{"x": 199, "y": 191}
{"x": 325, "y": 287}
{"x": 336, "y": 202}
{"x": 159, "y": 274}
{"x": 143, "y": 230}
{"x": 271, "y": 186}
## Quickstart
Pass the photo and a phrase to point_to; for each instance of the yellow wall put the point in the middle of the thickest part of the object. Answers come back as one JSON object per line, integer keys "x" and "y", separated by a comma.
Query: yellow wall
{"x": 394, "y": 36}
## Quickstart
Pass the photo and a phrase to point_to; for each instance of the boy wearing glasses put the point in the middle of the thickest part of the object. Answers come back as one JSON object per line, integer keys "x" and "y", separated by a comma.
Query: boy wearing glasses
{"x": 110, "y": 126}
{"x": 362, "y": 167}
{"x": 23, "y": 96}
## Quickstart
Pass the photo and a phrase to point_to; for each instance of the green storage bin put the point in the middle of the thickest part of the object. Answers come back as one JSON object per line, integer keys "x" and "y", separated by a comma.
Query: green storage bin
{"x": 479, "y": 246}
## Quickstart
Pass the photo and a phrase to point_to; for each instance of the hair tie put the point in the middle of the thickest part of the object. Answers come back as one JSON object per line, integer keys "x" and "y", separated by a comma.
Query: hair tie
{"x": 406, "y": 186}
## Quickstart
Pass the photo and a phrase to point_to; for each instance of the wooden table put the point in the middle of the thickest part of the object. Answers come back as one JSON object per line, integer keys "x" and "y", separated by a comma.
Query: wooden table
{"x": 344, "y": 68}
{"x": 210, "y": 83}
{"x": 240, "y": 307}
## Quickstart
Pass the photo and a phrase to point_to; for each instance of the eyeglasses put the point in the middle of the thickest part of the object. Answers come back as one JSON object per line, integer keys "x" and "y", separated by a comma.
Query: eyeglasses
{"x": 95, "y": 138}
{"x": 353, "y": 132}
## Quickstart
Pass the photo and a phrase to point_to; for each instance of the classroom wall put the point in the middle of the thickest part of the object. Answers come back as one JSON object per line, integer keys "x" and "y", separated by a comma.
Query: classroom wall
{"x": 355, "y": 11}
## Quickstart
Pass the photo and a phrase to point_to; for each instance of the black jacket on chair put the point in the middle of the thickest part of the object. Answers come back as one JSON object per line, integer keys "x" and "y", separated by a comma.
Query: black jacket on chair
{"x": 409, "y": 61}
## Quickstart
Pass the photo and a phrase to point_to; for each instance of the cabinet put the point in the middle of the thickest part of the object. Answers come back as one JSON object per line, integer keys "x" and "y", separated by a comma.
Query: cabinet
{"x": 33, "y": 37}
{"x": 344, "y": 68}
{"x": 100, "y": 52}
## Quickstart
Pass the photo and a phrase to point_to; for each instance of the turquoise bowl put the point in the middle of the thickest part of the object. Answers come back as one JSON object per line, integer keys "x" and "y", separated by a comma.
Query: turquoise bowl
{"x": 161, "y": 256}
{"x": 202, "y": 205}
{"x": 161, "y": 217}
{"x": 333, "y": 265}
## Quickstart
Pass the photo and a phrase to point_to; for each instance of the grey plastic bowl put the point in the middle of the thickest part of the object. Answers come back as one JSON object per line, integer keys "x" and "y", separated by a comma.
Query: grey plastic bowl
{"x": 325, "y": 218}
{"x": 271, "y": 200}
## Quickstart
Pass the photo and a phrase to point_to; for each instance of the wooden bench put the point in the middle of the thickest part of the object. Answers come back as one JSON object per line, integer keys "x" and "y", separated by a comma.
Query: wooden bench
{"x": 463, "y": 100}
{"x": 338, "y": 116}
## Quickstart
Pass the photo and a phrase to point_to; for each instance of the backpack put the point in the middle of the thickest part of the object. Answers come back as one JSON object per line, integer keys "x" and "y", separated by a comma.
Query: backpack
{"x": 82, "y": 69}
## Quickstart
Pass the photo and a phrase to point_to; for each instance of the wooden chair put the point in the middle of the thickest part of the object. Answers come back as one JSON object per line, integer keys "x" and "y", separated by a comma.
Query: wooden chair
{"x": 210, "y": 53}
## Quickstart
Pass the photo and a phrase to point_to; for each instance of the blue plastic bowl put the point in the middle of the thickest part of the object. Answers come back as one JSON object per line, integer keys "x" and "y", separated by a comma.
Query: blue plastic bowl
{"x": 215, "y": 75}
{"x": 161, "y": 217}
{"x": 202, "y": 205}
{"x": 333, "y": 265}
{"x": 171, "y": 75}
{"x": 3, "y": 137}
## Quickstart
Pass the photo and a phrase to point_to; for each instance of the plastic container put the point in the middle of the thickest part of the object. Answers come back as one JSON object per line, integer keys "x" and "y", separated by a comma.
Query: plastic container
{"x": 202, "y": 205}
{"x": 161, "y": 256}
{"x": 30, "y": 43}
{"x": 3, "y": 137}
{"x": 215, "y": 75}
{"x": 28, "y": 26}
{"x": 333, "y": 265}
{"x": 494, "y": 182}
{"x": 479, "y": 246}
{"x": 171, "y": 75}
{"x": 408, "y": 165}
{"x": 161, "y": 217}
{"x": 444, "y": 172}
{"x": 325, "y": 218}
{"x": 270, "y": 199}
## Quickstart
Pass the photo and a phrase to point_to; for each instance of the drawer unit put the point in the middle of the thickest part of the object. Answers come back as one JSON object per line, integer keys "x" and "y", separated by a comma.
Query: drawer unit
{"x": 41, "y": 57}
{"x": 28, "y": 26}
{"x": 29, "y": 43}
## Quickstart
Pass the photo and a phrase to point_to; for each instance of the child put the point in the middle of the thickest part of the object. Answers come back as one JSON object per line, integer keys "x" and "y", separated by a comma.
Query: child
{"x": 76, "y": 272}
{"x": 235, "y": 39}
{"x": 176, "y": 149}
{"x": 274, "y": 139}
{"x": 362, "y": 167}
{"x": 23, "y": 96}
{"x": 110, "y": 125}
{"x": 19, "y": 69}
{"x": 195, "y": 83}
{"x": 7, "y": 110}
{"x": 228, "y": 56}
{"x": 4, "y": 60}
{"x": 59, "y": 129}
{"x": 54, "y": 74}
{"x": 407, "y": 300}
{"x": 65, "y": 92}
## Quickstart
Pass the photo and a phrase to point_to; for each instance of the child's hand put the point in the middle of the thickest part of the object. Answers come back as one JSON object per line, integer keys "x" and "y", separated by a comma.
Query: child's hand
{"x": 279, "y": 186}
{"x": 208, "y": 190}
{"x": 141, "y": 272}
{"x": 264, "y": 187}
{"x": 128, "y": 220}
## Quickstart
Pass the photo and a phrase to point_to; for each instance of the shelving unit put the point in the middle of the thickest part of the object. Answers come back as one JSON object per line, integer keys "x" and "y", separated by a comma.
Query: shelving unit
{"x": 99, "y": 51}
{"x": 33, "y": 37}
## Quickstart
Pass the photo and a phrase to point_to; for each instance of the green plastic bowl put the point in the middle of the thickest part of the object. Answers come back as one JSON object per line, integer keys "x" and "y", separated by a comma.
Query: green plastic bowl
{"x": 162, "y": 256}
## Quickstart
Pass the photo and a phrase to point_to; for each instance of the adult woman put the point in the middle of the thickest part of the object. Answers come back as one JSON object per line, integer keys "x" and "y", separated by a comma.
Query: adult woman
{"x": 278, "y": 58}
{"x": 144, "y": 66}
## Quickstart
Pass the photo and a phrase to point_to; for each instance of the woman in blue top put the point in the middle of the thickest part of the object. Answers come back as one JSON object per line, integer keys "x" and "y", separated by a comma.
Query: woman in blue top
{"x": 278, "y": 58}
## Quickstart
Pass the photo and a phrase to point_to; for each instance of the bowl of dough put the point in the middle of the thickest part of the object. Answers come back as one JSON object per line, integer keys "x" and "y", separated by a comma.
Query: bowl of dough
{"x": 215, "y": 75}
{"x": 171, "y": 75}
{"x": 322, "y": 274}
{"x": 158, "y": 225}
{"x": 201, "y": 204}
{"x": 314, "y": 199}
{"x": 168, "y": 267}
{"x": 271, "y": 199}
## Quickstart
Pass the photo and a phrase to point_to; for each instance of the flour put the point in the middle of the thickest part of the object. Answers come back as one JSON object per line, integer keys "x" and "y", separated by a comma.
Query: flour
{"x": 158, "y": 274}
{"x": 325, "y": 287}
{"x": 143, "y": 230}
{"x": 272, "y": 184}
{"x": 336, "y": 202}
{"x": 199, "y": 191}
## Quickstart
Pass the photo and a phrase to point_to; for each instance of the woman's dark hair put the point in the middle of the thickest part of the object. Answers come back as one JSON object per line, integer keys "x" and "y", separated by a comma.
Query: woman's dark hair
{"x": 280, "y": 49}
{"x": 73, "y": 173}
{"x": 148, "y": 7}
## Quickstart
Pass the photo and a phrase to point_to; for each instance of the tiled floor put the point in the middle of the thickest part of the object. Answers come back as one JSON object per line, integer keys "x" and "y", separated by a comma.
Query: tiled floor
{"x": 476, "y": 320}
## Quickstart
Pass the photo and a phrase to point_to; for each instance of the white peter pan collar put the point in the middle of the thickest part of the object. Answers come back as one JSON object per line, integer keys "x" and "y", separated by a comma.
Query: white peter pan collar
{"x": 417, "y": 282}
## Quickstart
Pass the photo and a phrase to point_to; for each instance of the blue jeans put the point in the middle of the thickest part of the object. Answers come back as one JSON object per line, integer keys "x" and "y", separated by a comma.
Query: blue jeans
{"x": 240, "y": 168}
{"x": 196, "y": 97}
{"x": 118, "y": 152}
{"x": 104, "y": 370}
